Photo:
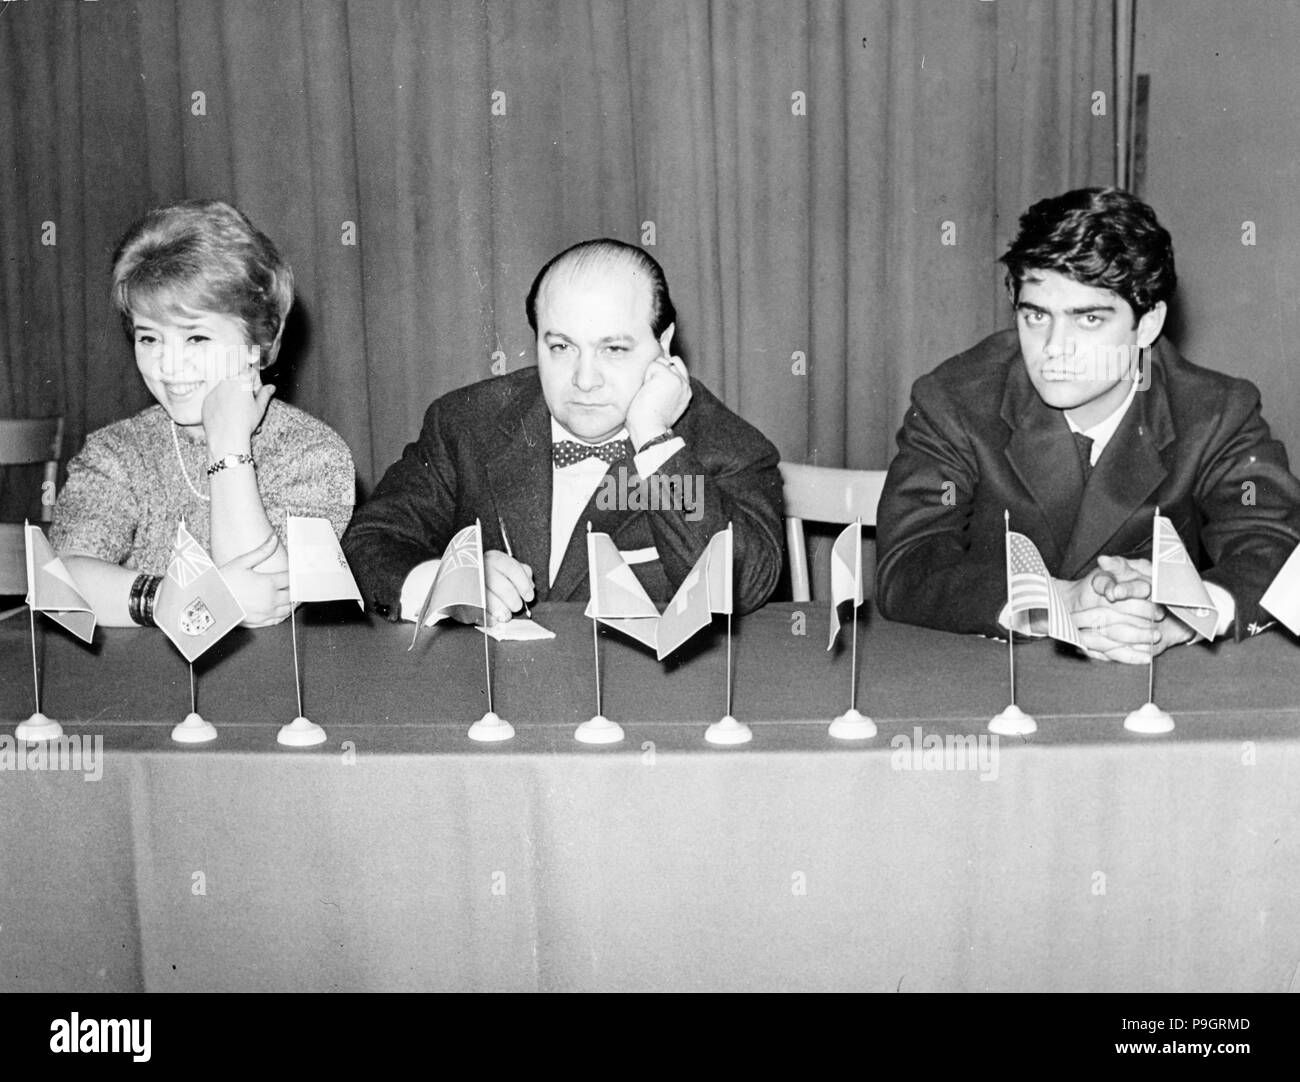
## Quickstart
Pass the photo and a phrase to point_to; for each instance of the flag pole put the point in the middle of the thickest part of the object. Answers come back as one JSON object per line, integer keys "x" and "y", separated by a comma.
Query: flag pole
{"x": 482, "y": 588}
{"x": 36, "y": 680}
{"x": 297, "y": 679}
{"x": 1011, "y": 650}
{"x": 1149, "y": 718}
{"x": 595, "y": 648}
{"x": 194, "y": 702}
{"x": 728, "y": 714}
{"x": 597, "y": 729}
{"x": 857, "y": 588}
{"x": 731, "y": 604}
{"x": 487, "y": 663}
{"x": 31, "y": 610}
{"x": 1155, "y": 567}
{"x": 852, "y": 724}
{"x": 595, "y": 619}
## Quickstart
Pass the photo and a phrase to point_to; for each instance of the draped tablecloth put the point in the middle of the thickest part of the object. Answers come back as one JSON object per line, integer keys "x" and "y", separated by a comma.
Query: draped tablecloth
{"x": 401, "y": 855}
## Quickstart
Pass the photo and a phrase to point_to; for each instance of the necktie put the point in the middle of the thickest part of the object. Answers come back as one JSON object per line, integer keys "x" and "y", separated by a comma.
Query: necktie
{"x": 567, "y": 452}
{"x": 1084, "y": 446}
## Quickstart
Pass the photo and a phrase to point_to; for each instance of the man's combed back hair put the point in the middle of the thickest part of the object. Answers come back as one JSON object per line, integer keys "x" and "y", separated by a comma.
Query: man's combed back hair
{"x": 204, "y": 255}
{"x": 1102, "y": 237}
{"x": 601, "y": 255}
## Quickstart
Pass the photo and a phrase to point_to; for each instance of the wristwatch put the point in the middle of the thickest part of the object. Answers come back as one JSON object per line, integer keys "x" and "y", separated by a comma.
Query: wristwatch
{"x": 231, "y": 459}
{"x": 663, "y": 437}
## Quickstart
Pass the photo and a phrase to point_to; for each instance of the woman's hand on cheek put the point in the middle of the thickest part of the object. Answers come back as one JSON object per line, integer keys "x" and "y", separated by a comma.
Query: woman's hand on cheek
{"x": 232, "y": 411}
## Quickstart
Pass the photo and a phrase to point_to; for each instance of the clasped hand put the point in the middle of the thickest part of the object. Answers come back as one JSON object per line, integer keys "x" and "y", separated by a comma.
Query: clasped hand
{"x": 1115, "y": 617}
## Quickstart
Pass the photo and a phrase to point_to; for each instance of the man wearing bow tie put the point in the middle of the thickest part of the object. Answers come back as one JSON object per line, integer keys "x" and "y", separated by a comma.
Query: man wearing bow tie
{"x": 536, "y": 454}
{"x": 1079, "y": 423}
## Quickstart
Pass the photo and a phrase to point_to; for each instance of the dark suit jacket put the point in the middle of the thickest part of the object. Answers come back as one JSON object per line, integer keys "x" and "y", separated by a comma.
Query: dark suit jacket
{"x": 485, "y": 450}
{"x": 978, "y": 440}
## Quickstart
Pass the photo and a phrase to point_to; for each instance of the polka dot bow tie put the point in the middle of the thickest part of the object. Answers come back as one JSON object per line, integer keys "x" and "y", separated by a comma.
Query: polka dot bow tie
{"x": 568, "y": 452}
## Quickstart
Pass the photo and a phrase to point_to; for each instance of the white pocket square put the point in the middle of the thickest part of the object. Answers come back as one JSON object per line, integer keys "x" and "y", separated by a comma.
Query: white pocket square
{"x": 640, "y": 556}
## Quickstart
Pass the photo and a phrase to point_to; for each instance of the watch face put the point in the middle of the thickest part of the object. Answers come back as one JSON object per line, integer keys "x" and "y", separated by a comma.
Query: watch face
{"x": 230, "y": 460}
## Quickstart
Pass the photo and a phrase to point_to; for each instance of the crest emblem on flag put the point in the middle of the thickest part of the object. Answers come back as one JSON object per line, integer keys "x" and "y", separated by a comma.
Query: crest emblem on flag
{"x": 196, "y": 618}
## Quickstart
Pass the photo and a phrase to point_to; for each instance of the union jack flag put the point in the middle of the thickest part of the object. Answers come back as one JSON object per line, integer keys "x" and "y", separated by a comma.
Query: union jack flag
{"x": 463, "y": 550}
{"x": 200, "y": 608}
{"x": 189, "y": 561}
{"x": 458, "y": 581}
{"x": 1175, "y": 582}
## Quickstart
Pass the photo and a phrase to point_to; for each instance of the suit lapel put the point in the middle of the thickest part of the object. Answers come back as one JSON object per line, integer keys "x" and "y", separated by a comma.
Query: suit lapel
{"x": 1129, "y": 470}
{"x": 1042, "y": 454}
{"x": 520, "y": 477}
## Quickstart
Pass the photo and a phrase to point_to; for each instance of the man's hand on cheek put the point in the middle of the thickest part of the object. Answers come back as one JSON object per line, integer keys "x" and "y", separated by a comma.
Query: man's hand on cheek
{"x": 663, "y": 397}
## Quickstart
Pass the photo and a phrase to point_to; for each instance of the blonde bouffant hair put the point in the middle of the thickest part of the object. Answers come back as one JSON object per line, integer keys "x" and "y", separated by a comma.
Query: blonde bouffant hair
{"x": 204, "y": 255}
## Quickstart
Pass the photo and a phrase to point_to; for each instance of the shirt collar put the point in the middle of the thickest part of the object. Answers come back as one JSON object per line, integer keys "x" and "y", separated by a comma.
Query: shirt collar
{"x": 1103, "y": 430}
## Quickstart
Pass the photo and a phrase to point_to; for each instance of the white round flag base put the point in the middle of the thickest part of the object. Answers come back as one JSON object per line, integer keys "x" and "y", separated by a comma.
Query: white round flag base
{"x": 300, "y": 733}
{"x": 1013, "y": 722}
{"x": 728, "y": 731}
{"x": 1149, "y": 718}
{"x": 599, "y": 730}
{"x": 491, "y": 727}
{"x": 852, "y": 725}
{"x": 37, "y": 728}
{"x": 194, "y": 730}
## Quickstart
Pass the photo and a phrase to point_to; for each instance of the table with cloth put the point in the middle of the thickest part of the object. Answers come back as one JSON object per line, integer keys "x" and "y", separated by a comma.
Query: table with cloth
{"x": 402, "y": 855}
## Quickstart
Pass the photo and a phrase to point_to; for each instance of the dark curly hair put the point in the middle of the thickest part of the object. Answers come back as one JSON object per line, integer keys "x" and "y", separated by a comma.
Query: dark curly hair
{"x": 1101, "y": 237}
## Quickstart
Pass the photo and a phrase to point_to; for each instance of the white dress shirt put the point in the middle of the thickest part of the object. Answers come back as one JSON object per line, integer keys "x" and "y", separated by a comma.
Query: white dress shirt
{"x": 571, "y": 490}
{"x": 1100, "y": 434}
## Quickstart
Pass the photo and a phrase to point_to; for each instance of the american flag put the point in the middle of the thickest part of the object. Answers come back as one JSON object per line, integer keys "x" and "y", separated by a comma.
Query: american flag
{"x": 1031, "y": 588}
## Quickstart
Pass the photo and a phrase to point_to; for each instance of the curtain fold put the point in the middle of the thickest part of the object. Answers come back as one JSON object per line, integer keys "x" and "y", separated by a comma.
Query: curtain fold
{"x": 828, "y": 185}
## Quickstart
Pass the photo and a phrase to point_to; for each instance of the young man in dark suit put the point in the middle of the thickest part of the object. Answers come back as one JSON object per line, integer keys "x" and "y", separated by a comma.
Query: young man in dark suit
{"x": 609, "y": 428}
{"x": 1080, "y": 422}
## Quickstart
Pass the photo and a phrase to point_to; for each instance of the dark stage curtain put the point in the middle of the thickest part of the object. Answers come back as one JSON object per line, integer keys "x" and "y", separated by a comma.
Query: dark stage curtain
{"x": 827, "y": 184}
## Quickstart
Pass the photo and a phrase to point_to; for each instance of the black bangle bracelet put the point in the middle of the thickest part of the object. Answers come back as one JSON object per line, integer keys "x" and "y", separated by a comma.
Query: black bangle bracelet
{"x": 133, "y": 599}
{"x": 150, "y": 600}
{"x": 140, "y": 603}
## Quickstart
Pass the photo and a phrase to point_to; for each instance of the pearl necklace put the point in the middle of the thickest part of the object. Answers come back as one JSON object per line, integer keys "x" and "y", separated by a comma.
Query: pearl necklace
{"x": 176, "y": 442}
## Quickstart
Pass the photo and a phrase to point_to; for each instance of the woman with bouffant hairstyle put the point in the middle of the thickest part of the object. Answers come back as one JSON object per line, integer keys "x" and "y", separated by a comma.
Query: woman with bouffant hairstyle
{"x": 203, "y": 297}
